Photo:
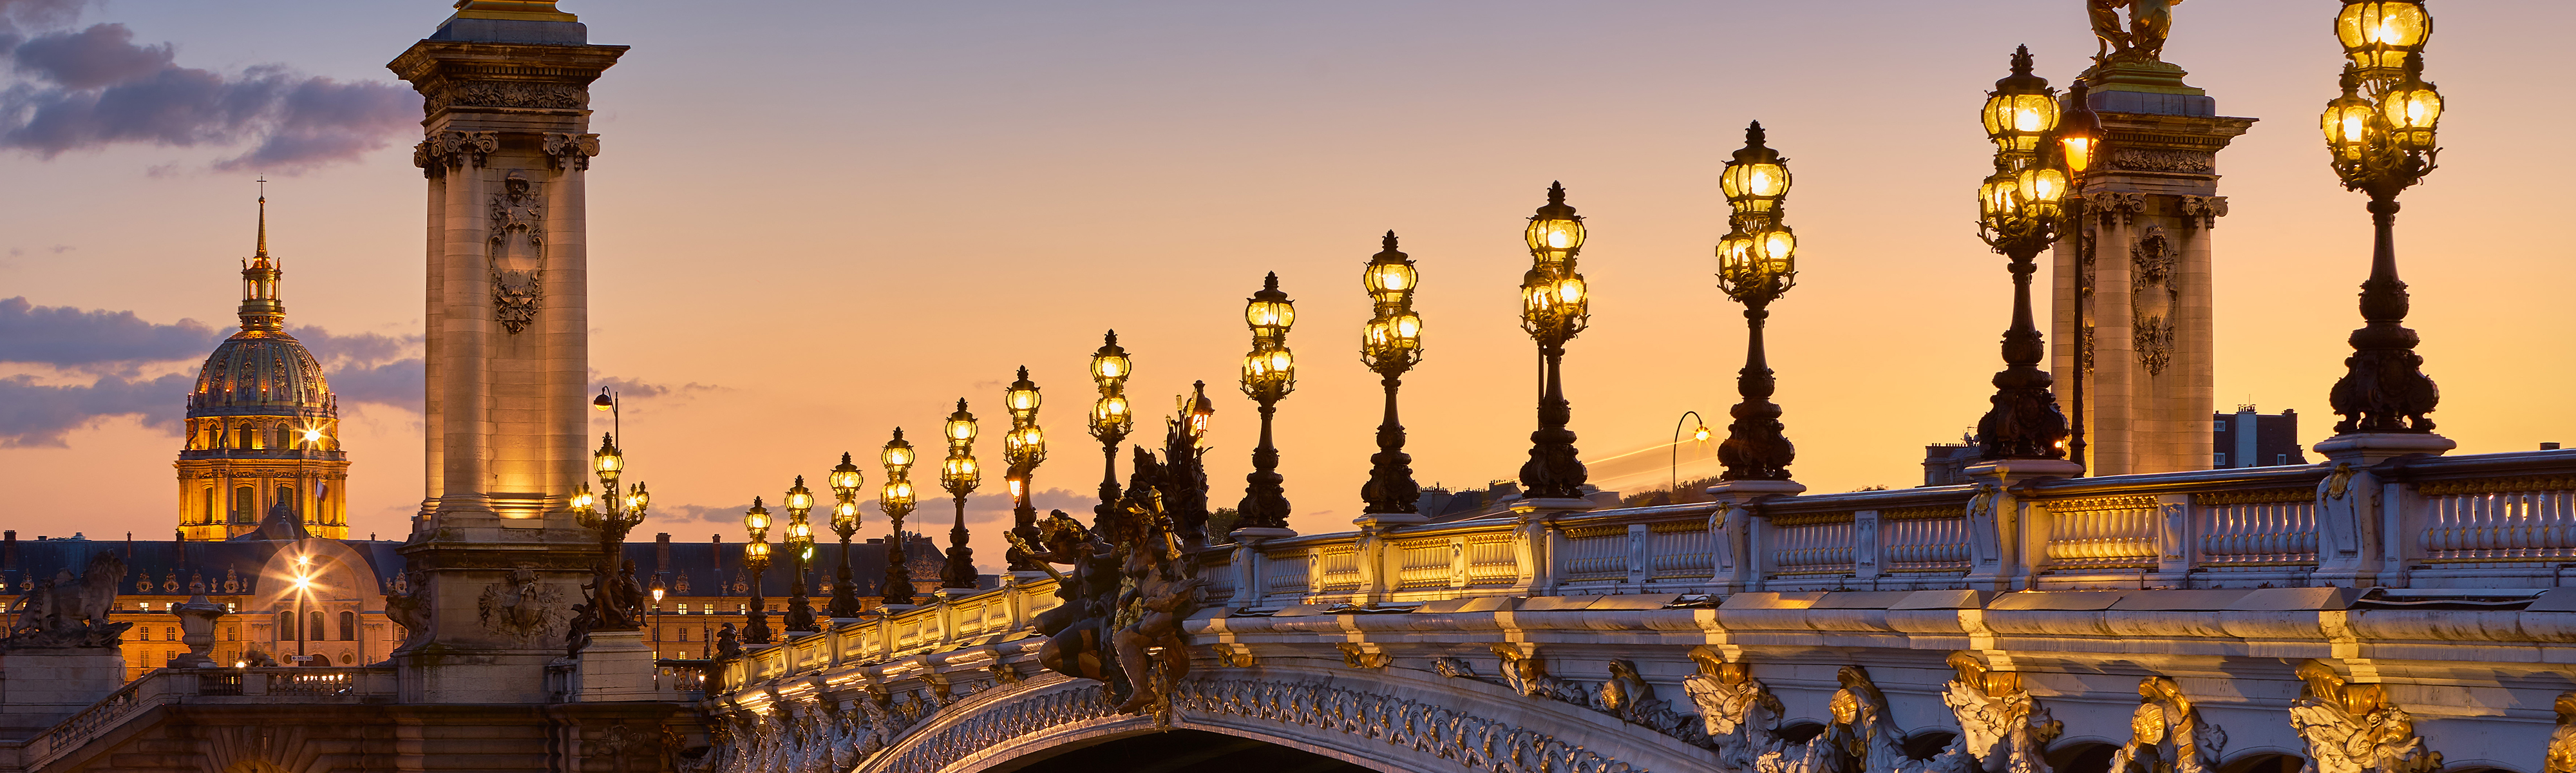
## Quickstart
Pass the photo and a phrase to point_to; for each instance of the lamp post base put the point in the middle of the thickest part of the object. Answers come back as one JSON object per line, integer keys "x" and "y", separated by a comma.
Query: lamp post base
{"x": 1255, "y": 534}
{"x": 2363, "y": 449}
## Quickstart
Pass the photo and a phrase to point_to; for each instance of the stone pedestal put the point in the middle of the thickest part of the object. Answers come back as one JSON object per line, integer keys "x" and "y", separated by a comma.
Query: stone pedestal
{"x": 1733, "y": 522}
{"x": 39, "y": 687}
{"x": 2364, "y": 449}
{"x": 617, "y": 666}
{"x": 2003, "y": 544}
{"x": 2132, "y": 283}
{"x": 2356, "y": 508}
{"x": 505, "y": 153}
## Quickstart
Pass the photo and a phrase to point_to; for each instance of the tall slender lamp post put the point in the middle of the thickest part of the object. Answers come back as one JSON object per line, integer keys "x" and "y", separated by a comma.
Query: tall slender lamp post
{"x": 1756, "y": 264}
{"x": 2380, "y": 132}
{"x": 2079, "y": 143}
{"x": 1269, "y": 374}
{"x": 2019, "y": 207}
{"x": 1391, "y": 344}
{"x": 895, "y": 498}
{"x": 1554, "y": 309}
{"x": 845, "y": 480}
{"x": 800, "y": 547}
{"x": 1022, "y": 448}
{"x": 755, "y": 556}
{"x": 1111, "y": 419}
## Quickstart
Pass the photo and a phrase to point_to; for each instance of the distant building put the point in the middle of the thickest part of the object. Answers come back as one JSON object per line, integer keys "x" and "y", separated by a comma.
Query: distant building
{"x": 1441, "y": 505}
{"x": 2249, "y": 439}
{"x": 1946, "y": 464}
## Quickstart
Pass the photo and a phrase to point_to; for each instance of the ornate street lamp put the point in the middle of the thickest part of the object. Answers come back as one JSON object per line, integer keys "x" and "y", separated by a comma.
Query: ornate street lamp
{"x": 1022, "y": 449}
{"x": 613, "y": 514}
{"x": 1391, "y": 344}
{"x": 1756, "y": 264}
{"x": 845, "y": 481}
{"x": 895, "y": 498}
{"x": 755, "y": 556}
{"x": 1111, "y": 418}
{"x": 1553, "y": 310}
{"x": 800, "y": 547}
{"x": 1269, "y": 374}
{"x": 2019, "y": 207}
{"x": 959, "y": 475}
{"x": 2380, "y": 134}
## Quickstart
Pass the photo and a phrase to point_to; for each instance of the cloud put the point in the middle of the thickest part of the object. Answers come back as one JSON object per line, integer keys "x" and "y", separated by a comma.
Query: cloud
{"x": 66, "y": 337}
{"x": 94, "y": 87}
{"x": 37, "y": 415}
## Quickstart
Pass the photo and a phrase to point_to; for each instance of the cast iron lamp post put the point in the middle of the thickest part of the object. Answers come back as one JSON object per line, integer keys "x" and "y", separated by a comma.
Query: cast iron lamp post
{"x": 1022, "y": 449}
{"x": 1553, "y": 311}
{"x": 959, "y": 475}
{"x": 2019, "y": 206}
{"x": 1756, "y": 264}
{"x": 800, "y": 547}
{"x": 2079, "y": 144}
{"x": 1110, "y": 419}
{"x": 845, "y": 481}
{"x": 1269, "y": 374}
{"x": 1391, "y": 344}
{"x": 895, "y": 498}
{"x": 2380, "y": 132}
{"x": 755, "y": 556}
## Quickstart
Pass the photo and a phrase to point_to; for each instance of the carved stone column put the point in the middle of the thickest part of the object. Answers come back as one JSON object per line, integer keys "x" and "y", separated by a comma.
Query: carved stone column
{"x": 2133, "y": 294}
{"x": 506, "y": 90}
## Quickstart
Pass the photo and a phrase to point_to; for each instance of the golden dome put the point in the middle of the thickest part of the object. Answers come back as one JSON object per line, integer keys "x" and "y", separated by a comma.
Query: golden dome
{"x": 261, "y": 371}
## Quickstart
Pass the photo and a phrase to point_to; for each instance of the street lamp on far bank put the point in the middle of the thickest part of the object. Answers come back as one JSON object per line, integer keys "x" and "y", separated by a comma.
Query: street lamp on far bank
{"x": 1390, "y": 344}
{"x": 1022, "y": 449}
{"x": 1111, "y": 419}
{"x": 800, "y": 548}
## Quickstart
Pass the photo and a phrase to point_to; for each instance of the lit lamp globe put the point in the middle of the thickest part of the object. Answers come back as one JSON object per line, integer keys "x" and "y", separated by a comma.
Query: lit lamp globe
{"x": 756, "y": 521}
{"x": 2383, "y": 35}
{"x": 2021, "y": 111}
{"x": 607, "y": 460}
{"x": 2411, "y": 109}
{"x": 2348, "y": 121}
{"x": 1555, "y": 233}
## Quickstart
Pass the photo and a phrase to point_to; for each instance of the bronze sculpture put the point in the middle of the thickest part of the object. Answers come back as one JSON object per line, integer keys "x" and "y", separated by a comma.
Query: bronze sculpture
{"x": 2144, "y": 38}
{"x": 69, "y": 611}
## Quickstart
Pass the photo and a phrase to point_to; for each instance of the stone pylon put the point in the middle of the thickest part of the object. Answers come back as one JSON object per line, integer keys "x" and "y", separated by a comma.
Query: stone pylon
{"x": 506, "y": 89}
{"x": 2132, "y": 297}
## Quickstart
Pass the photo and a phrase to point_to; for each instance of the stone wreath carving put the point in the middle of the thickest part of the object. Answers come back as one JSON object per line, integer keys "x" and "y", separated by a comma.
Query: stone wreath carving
{"x": 442, "y": 151}
{"x": 522, "y": 609}
{"x": 2166, "y": 734}
{"x": 571, "y": 151}
{"x": 2152, "y": 299}
{"x": 518, "y": 253}
{"x": 2353, "y": 728}
{"x": 2005, "y": 729}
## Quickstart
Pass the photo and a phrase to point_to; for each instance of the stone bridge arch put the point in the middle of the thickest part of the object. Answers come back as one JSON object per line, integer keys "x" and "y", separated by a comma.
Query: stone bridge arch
{"x": 1383, "y": 719}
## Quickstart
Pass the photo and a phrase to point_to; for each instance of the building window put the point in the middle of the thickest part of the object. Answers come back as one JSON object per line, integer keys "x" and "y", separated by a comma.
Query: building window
{"x": 232, "y": 633}
{"x": 2218, "y": 460}
{"x": 2220, "y": 425}
{"x": 245, "y": 503}
{"x": 348, "y": 626}
{"x": 207, "y": 513}
{"x": 684, "y": 634}
{"x": 142, "y": 606}
{"x": 2280, "y": 459}
{"x": 142, "y": 634}
{"x": 286, "y": 627}
{"x": 315, "y": 629}
{"x": 170, "y": 633}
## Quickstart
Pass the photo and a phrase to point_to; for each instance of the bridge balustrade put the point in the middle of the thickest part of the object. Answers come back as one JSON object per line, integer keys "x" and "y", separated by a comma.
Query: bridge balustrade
{"x": 166, "y": 686}
{"x": 2488, "y": 520}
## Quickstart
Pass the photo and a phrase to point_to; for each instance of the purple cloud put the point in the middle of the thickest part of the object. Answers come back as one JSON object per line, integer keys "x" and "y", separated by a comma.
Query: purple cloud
{"x": 92, "y": 88}
{"x": 36, "y": 415}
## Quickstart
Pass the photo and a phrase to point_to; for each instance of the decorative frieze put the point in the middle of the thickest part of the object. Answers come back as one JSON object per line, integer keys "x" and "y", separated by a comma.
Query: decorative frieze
{"x": 2164, "y": 160}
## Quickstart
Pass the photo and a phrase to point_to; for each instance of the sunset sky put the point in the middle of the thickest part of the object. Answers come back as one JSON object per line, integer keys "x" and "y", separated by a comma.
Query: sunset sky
{"x": 815, "y": 221}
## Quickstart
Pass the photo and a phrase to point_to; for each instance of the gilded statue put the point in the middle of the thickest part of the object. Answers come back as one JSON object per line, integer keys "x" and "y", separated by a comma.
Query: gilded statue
{"x": 2355, "y": 728}
{"x": 2141, "y": 40}
{"x": 2166, "y": 733}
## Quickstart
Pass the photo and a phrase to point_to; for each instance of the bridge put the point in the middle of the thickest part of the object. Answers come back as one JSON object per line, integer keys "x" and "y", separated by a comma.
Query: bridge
{"x": 2399, "y": 616}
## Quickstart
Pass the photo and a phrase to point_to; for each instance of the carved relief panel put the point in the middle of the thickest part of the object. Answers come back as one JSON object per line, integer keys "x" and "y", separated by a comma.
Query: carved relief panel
{"x": 518, "y": 252}
{"x": 2153, "y": 296}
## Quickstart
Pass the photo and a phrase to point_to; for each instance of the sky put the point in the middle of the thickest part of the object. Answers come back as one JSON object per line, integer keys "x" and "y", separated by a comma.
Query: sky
{"x": 815, "y": 221}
